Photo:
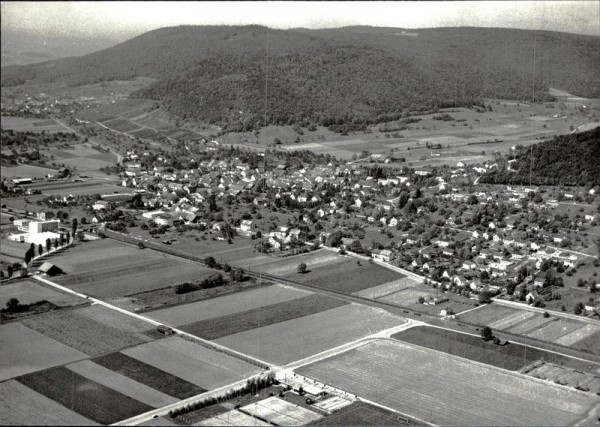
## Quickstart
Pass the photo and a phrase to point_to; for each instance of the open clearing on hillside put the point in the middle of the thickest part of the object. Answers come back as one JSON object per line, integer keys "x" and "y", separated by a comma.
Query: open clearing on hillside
{"x": 511, "y": 356}
{"x": 225, "y": 305}
{"x": 105, "y": 268}
{"x": 121, "y": 383}
{"x": 280, "y": 412}
{"x": 82, "y": 333}
{"x": 28, "y": 291}
{"x": 192, "y": 362}
{"x": 445, "y": 389}
{"x": 149, "y": 375}
{"x": 572, "y": 333}
{"x": 23, "y": 351}
{"x": 88, "y": 398}
{"x": 211, "y": 329}
{"x": 20, "y": 405}
{"x": 296, "y": 339}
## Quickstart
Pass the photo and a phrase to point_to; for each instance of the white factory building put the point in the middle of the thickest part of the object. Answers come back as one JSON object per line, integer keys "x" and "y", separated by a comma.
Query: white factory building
{"x": 37, "y": 231}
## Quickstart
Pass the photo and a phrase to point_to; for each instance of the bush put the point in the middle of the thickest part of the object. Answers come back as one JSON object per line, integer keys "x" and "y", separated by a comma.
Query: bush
{"x": 184, "y": 288}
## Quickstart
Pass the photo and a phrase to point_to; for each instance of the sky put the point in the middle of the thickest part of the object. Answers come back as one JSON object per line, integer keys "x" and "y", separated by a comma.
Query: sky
{"x": 121, "y": 20}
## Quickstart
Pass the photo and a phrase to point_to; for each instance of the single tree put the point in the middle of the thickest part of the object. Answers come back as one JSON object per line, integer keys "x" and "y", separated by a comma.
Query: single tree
{"x": 74, "y": 225}
{"x": 210, "y": 262}
{"x": 301, "y": 268}
{"x": 40, "y": 249}
{"x": 486, "y": 333}
{"x": 48, "y": 245}
{"x": 9, "y": 270}
{"x": 12, "y": 303}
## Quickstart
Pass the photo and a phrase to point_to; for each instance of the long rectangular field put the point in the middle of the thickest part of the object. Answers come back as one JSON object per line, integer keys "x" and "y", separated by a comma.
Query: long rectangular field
{"x": 144, "y": 373}
{"x": 192, "y": 362}
{"x": 88, "y": 398}
{"x": 448, "y": 390}
{"x": 280, "y": 412}
{"x": 226, "y": 305}
{"x": 387, "y": 288}
{"x": 29, "y": 291}
{"x": 262, "y": 316}
{"x": 296, "y": 339}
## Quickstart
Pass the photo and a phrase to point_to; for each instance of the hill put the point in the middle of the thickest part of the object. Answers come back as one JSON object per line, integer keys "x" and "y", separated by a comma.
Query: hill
{"x": 345, "y": 77}
{"x": 569, "y": 159}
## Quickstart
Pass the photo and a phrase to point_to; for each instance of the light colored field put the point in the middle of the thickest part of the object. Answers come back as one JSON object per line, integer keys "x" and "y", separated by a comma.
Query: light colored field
{"x": 489, "y": 314}
{"x": 449, "y": 390}
{"x": 200, "y": 366}
{"x": 443, "y": 139}
{"x": 578, "y": 335}
{"x": 13, "y": 249}
{"x": 86, "y": 163}
{"x": 511, "y": 320}
{"x": 28, "y": 292}
{"x": 122, "y": 384}
{"x": 289, "y": 265}
{"x": 554, "y": 330}
{"x": 408, "y": 296}
{"x": 281, "y": 412}
{"x": 296, "y": 339}
{"x": 331, "y": 404}
{"x": 23, "y": 124}
{"x": 20, "y": 405}
{"x": 115, "y": 319}
{"x": 26, "y": 171}
{"x": 232, "y": 418}
{"x": 247, "y": 262}
{"x": 531, "y": 324}
{"x": 387, "y": 288}
{"x": 567, "y": 376}
{"x": 23, "y": 351}
{"x": 229, "y": 304}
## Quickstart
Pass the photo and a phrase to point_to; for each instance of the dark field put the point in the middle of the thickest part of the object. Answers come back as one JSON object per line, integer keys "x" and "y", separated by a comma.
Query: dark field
{"x": 347, "y": 277}
{"x": 263, "y": 316}
{"x": 149, "y": 375}
{"x": 88, "y": 398}
{"x": 360, "y": 413}
{"x": 511, "y": 356}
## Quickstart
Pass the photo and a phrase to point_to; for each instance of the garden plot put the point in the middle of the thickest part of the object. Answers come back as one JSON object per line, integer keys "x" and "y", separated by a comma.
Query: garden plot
{"x": 281, "y": 412}
{"x": 20, "y": 405}
{"x": 259, "y": 317}
{"x": 448, "y": 390}
{"x": 88, "y": 398}
{"x": 554, "y": 330}
{"x": 296, "y": 339}
{"x": 233, "y": 418}
{"x": 28, "y": 292}
{"x": 578, "y": 335}
{"x": 511, "y": 320}
{"x": 387, "y": 288}
{"x": 82, "y": 333}
{"x": 531, "y": 324}
{"x": 149, "y": 375}
{"x": 199, "y": 365}
{"x": 23, "y": 351}
{"x": 122, "y": 384}
{"x": 225, "y": 305}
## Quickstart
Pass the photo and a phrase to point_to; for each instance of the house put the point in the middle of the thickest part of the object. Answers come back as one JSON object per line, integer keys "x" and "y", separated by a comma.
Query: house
{"x": 247, "y": 226}
{"x": 100, "y": 205}
{"x": 275, "y": 242}
{"x": 163, "y": 220}
{"x": 49, "y": 269}
{"x": 531, "y": 297}
{"x": 165, "y": 330}
{"x": 384, "y": 255}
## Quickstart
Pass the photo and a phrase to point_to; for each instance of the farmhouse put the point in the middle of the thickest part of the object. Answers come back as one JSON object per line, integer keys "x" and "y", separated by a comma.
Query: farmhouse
{"x": 49, "y": 269}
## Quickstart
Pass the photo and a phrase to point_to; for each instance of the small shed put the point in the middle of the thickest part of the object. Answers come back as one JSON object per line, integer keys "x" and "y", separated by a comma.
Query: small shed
{"x": 165, "y": 330}
{"x": 49, "y": 269}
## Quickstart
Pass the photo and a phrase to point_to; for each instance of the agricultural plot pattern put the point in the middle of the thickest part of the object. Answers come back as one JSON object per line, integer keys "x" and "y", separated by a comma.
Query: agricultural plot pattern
{"x": 387, "y": 288}
{"x": 233, "y": 418}
{"x": 30, "y": 351}
{"x": 200, "y": 366}
{"x": 281, "y": 412}
{"x": 445, "y": 389}
{"x": 296, "y": 339}
{"x": 561, "y": 375}
{"x": 28, "y": 292}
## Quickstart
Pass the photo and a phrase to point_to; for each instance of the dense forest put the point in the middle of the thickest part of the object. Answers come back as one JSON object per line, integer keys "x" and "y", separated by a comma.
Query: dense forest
{"x": 569, "y": 160}
{"x": 344, "y": 77}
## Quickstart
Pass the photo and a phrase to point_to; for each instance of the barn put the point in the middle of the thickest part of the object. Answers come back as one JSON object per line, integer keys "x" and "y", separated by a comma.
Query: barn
{"x": 49, "y": 269}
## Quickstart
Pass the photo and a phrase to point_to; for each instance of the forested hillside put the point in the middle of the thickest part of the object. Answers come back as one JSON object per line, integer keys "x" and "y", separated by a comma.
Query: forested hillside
{"x": 569, "y": 159}
{"x": 342, "y": 77}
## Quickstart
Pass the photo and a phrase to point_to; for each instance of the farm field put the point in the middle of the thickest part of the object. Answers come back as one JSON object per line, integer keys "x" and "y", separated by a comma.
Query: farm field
{"x": 288, "y": 265}
{"x": 192, "y": 362}
{"x": 95, "y": 401}
{"x": 26, "y": 171}
{"x": 262, "y": 316}
{"x": 387, "y": 288}
{"x": 94, "y": 266}
{"x": 24, "y": 124}
{"x": 511, "y": 356}
{"x": 116, "y": 320}
{"x": 30, "y": 351}
{"x": 148, "y": 375}
{"x": 360, "y": 413}
{"x": 448, "y": 390}
{"x": 311, "y": 334}
{"x": 226, "y": 305}
{"x": 28, "y": 291}
{"x": 577, "y": 334}
{"x": 232, "y": 418}
{"x": 122, "y": 384}
{"x": 20, "y": 405}
{"x": 13, "y": 249}
{"x": 82, "y": 333}
{"x": 569, "y": 377}
{"x": 280, "y": 412}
